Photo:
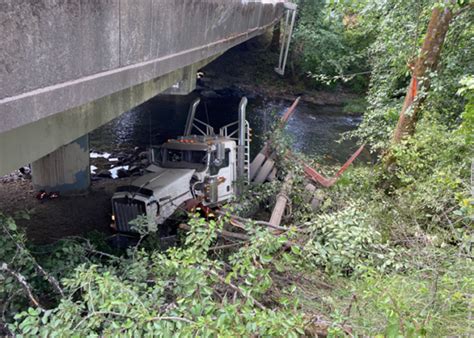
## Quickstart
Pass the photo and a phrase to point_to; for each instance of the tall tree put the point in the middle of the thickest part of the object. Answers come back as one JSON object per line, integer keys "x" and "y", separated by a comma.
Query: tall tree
{"x": 423, "y": 65}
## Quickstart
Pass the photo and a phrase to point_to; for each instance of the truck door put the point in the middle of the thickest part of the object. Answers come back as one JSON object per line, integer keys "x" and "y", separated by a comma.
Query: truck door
{"x": 225, "y": 172}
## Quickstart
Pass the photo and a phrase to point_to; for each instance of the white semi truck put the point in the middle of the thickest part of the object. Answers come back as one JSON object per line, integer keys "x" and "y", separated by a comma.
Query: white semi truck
{"x": 205, "y": 167}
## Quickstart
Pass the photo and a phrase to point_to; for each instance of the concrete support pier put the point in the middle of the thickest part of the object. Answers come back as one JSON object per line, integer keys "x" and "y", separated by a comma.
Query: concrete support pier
{"x": 66, "y": 169}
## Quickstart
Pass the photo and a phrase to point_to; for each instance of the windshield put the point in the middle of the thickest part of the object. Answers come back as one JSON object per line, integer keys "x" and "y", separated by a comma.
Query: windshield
{"x": 176, "y": 158}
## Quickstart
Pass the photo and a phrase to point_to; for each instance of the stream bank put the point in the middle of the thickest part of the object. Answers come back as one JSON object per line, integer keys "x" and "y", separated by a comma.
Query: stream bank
{"x": 251, "y": 72}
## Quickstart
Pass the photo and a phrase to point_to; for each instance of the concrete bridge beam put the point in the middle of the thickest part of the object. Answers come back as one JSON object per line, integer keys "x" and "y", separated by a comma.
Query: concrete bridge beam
{"x": 32, "y": 141}
{"x": 66, "y": 169}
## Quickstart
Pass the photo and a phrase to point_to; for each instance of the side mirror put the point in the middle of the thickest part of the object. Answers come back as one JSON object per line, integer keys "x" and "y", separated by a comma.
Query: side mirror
{"x": 219, "y": 154}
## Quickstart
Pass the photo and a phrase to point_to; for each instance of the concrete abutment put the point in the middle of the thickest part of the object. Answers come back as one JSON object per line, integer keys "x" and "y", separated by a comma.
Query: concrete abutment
{"x": 66, "y": 170}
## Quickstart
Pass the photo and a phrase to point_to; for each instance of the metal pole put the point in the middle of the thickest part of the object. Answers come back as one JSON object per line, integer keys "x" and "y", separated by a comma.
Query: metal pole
{"x": 284, "y": 39}
{"x": 241, "y": 145}
{"x": 289, "y": 40}
{"x": 191, "y": 114}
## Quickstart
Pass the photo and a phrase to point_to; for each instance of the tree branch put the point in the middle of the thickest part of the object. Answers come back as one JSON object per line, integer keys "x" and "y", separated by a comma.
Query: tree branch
{"x": 220, "y": 233}
{"x": 53, "y": 281}
{"x": 237, "y": 289}
{"x": 24, "y": 284}
{"x": 268, "y": 224}
{"x": 118, "y": 314}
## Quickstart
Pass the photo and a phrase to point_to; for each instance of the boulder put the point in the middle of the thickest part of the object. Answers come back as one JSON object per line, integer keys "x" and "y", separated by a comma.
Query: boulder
{"x": 104, "y": 174}
{"x": 121, "y": 173}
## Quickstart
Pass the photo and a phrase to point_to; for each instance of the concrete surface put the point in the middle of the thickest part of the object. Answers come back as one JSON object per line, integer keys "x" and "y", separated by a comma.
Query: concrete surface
{"x": 66, "y": 169}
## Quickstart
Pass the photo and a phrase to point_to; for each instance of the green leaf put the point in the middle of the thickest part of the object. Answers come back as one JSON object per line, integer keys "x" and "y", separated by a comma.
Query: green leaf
{"x": 11, "y": 224}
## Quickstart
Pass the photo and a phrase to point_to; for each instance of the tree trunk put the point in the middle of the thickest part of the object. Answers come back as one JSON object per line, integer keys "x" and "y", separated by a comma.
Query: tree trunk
{"x": 424, "y": 64}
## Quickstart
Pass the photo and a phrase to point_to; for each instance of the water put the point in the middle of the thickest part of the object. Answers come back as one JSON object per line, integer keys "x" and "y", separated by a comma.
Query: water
{"x": 315, "y": 130}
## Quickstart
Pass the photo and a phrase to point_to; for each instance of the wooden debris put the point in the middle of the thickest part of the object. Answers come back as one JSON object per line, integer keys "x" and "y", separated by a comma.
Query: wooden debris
{"x": 256, "y": 165}
{"x": 265, "y": 170}
{"x": 282, "y": 200}
{"x": 272, "y": 175}
{"x": 325, "y": 181}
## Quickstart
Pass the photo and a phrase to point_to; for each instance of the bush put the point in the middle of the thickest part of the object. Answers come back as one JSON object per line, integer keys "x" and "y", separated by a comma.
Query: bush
{"x": 182, "y": 291}
{"x": 346, "y": 241}
{"x": 433, "y": 171}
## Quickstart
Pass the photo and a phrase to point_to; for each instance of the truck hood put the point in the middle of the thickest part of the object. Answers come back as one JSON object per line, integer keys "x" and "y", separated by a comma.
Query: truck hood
{"x": 166, "y": 181}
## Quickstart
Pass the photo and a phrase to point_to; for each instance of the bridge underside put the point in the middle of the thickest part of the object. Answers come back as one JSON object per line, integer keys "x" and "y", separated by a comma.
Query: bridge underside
{"x": 30, "y": 142}
{"x": 70, "y": 68}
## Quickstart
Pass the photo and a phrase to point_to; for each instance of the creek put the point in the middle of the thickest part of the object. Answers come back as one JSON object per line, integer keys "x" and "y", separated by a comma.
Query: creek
{"x": 315, "y": 130}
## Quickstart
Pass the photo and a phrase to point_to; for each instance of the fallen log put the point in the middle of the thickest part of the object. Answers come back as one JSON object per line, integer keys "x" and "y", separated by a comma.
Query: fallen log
{"x": 282, "y": 200}
{"x": 289, "y": 112}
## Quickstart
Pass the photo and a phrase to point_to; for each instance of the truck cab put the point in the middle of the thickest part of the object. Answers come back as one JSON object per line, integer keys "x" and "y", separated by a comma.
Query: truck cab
{"x": 204, "y": 167}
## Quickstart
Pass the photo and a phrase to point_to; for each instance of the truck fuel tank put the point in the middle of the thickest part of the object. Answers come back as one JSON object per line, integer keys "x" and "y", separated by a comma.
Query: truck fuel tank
{"x": 211, "y": 189}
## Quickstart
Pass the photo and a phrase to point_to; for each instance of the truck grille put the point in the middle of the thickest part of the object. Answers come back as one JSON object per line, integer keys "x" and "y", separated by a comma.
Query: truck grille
{"x": 125, "y": 211}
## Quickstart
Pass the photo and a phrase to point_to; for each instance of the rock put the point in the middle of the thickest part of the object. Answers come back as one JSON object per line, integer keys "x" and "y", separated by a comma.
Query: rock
{"x": 310, "y": 191}
{"x": 121, "y": 157}
{"x": 143, "y": 155}
{"x": 121, "y": 173}
{"x": 104, "y": 174}
{"x": 131, "y": 158}
{"x": 13, "y": 177}
{"x": 205, "y": 80}
{"x": 26, "y": 177}
{"x": 315, "y": 204}
{"x": 318, "y": 198}
{"x": 25, "y": 170}
{"x": 209, "y": 94}
{"x": 133, "y": 169}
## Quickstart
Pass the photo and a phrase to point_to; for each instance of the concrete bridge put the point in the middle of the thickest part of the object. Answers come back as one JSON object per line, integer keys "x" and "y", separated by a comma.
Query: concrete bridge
{"x": 68, "y": 67}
